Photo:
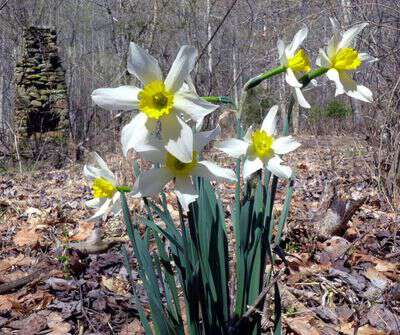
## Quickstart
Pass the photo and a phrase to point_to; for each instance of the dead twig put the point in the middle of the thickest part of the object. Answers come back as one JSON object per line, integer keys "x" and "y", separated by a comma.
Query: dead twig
{"x": 254, "y": 308}
{"x": 7, "y": 287}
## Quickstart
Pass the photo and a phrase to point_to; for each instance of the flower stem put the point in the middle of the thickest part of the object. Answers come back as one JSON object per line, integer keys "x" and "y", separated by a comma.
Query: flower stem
{"x": 219, "y": 99}
{"x": 123, "y": 188}
{"x": 306, "y": 79}
{"x": 253, "y": 82}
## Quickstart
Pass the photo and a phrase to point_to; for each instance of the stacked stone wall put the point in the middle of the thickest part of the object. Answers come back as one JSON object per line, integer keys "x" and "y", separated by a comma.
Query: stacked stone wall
{"x": 41, "y": 104}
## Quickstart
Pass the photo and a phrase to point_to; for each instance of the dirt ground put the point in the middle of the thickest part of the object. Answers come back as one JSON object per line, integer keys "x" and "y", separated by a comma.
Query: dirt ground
{"x": 341, "y": 282}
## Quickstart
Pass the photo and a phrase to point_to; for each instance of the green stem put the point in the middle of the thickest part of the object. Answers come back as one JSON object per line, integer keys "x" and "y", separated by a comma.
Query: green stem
{"x": 219, "y": 100}
{"x": 306, "y": 79}
{"x": 253, "y": 82}
{"x": 124, "y": 188}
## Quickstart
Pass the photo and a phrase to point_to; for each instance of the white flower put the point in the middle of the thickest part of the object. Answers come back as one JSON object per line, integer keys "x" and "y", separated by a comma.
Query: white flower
{"x": 104, "y": 188}
{"x": 261, "y": 148}
{"x": 342, "y": 60}
{"x": 151, "y": 182}
{"x": 163, "y": 100}
{"x": 296, "y": 62}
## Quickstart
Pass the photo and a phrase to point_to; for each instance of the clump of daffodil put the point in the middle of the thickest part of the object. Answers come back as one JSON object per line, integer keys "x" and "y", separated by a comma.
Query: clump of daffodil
{"x": 159, "y": 100}
{"x": 261, "y": 148}
{"x": 151, "y": 182}
{"x": 104, "y": 188}
{"x": 296, "y": 63}
{"x": 343, "y": 60}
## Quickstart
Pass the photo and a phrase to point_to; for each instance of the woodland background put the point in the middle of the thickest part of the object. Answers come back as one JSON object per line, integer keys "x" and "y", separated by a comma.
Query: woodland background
{"x": 349, "y": 158}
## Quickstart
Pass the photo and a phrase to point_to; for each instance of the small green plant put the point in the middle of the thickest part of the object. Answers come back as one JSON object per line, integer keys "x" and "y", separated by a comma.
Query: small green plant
{"x": 337, "y": 109}
{"x": 334, "y": 109}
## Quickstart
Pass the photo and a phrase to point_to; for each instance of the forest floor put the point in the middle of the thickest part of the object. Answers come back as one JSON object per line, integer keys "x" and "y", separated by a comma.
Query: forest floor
{"x": 346, "y": 282}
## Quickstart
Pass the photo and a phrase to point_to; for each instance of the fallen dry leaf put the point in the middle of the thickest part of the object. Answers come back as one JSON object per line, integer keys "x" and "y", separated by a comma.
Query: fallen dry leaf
{"x": 27, "y": 237}
{"x": 84, "y": 231}
{"x": 8, "y": 302}
{"x": 116, "y": 285}
{"x": 20, "y": 260}
{"x": 377, "y": 278}
{"x": 301, "y": 325}
{"x": 56, "y": 324}
{"x": 132, "y": 328}
{"x": 348, "y": 329}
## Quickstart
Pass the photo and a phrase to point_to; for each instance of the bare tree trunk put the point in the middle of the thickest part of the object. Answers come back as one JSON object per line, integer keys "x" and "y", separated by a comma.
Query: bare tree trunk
{"x": 355, "y": 104}
{"x": 1, "y": 98}
{"x": 209, "y": 47}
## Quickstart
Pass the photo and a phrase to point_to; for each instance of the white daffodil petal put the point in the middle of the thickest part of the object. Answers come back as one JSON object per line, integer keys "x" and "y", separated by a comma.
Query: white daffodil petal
{"x": 323, "y": 59}
{"x": 151, "y": 149}
{"x": 190, "y": 85}
{"x": 298, "y": 94}
{"x": 134, "y": 132}
{"x": 192, "y": 105}
{"x": 361, "y": 93}
{"x": 181, "y": 68}
{"x": 281, "y": 52}
{"x": 283, "y": 145}
{"x": 92, "y": 172}
{"x": 118, "y": 98}
{"x": 349, "y": 36}
{"x": 95, "y": 202}
{"x": 247, "y": 136}
{"x": 141, "y": 64}
{"x": 212, "y": 171}
{"x": 367, "y": 58}
{"x": 102, "y": 164}
{"x": 281, "y": 171}
{"x": 353, "y": 90}
{"x": 116, "y": 206}
{"x": 185, "y": 192}
{"x": 335, "y": 25}
{"x": 202, "y": 138}
{"x": 177, "y": 137}
{"x": 104, "y": 209}
{"x": 251, "y": 166}
{"x": 332, "y": 47}
{"x": 348, "y": 83}
{"x": 199, "y": 124}
{"x": 151, "y": 182}
{"x": 233, "y": 147}
{"x": 291, "y": 78}
{"x": 270, "y": 120}
{"x": 297, "y": 40}
{"x": 89, "y": 172}
{"x": 333, "y": 75}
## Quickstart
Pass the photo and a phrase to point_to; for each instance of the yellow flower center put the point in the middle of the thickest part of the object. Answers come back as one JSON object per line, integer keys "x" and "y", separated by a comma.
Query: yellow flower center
{"x": 179, "y": 168}
{"x": 103, "y": 188}
{"x": 262, "y": 144}
{"x": 155, "y": 100}
{"x": 299, "y": 62}
{"x": 346, "y": 59}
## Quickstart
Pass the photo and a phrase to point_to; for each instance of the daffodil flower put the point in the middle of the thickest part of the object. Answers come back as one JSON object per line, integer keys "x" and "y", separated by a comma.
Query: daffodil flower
{"x": 261, "y": 148}
{"x": 296, "y": 62}
{"x": 104, "y": 188}
{"x": 151, "y": 182}
{"x": 343, "y": 60}
{"x": 158, "y": 100}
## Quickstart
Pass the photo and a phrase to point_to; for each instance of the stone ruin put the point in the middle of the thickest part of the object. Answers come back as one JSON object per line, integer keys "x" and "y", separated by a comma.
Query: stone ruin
{"x": 41, "y": 103}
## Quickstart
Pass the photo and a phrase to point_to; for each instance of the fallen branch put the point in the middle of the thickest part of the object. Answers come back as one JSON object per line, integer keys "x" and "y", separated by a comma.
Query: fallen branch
{"x": 16, "y": 284}
{"x": 95, "y": 244}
